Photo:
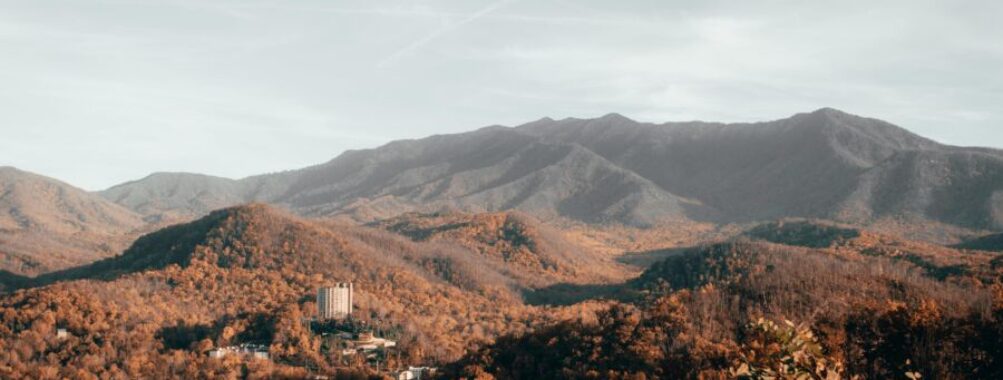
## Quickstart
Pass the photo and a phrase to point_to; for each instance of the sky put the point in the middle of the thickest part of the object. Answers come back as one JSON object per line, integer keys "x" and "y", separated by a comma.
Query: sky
{"x": 104, "y": 91}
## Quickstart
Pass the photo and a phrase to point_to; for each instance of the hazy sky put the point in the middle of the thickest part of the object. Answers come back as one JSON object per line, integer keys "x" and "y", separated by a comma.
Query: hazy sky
{"x": 100, "y": 92}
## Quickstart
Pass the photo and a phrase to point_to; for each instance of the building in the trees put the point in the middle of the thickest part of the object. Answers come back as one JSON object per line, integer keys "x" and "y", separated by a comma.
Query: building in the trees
{"x": 245, "y": 351}
{"x": 414, "y": 373}
{"x": 369, "y": 342}
{"x": 335, "y": 302}
{"x": 404, "y": 375}
{"x": 365, "y": 343}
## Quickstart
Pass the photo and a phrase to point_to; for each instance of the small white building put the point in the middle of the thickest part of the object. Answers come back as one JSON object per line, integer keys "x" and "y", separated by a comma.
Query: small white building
{"x": 260, "y": 355}
{"x": 414, "y": 373}
{"x": 404, "y": 375}
{"x": 245, "y": 351}
{"x": 422, "y": 372}
{"x": 366, "y": 343}
{"x": 62, "y": 334}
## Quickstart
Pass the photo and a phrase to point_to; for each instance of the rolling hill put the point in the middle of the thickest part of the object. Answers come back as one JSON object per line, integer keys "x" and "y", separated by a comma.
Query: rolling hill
{"x": 864, "y": 309}
{"x": 256, "y": 267}
{"x": 47, "y": 225}
{"x": 453, "y": 286}
{"x": 518, "y": 244}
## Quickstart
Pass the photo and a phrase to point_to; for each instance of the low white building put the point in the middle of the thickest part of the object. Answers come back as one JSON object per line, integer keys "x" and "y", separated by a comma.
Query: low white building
{"x": 367, "y": 342}
{"x": 422, "y": 372}
{"x": 414, "y": 373}
{"x": 404, "y": 375}
{"x": 245, "y": 351}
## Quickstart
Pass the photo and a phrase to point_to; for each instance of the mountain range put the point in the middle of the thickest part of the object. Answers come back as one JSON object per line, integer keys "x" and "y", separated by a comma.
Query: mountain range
{"x": 611, "y": 170}
{"x": 574, "y": 248}
{"x": 823, "y": 164}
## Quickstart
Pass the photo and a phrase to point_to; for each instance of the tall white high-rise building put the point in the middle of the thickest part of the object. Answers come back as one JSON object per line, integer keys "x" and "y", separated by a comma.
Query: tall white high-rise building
{"x": 335, "y": 302}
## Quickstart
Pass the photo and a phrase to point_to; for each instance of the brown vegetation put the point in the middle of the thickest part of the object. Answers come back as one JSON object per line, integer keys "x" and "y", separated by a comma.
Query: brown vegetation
{"x": 455, "y": 288}
{"x": 535, "y": 254}
{"x": 248, "y": 274}
{"x": 47, "y": 225}
{"x": 876, "y": 317}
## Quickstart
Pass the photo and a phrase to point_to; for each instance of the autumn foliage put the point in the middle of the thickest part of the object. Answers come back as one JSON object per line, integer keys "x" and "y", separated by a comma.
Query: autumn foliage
{"x": 452, "y": 291}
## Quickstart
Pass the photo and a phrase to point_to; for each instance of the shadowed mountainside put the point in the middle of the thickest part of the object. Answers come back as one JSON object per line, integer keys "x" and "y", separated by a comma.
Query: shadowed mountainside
{"x": 992, "y": 242}
{"x": 824, "y": 164}
{"x": 803, "y": 233}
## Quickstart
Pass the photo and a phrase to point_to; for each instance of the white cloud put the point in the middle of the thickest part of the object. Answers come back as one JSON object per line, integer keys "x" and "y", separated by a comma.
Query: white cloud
{"x": 441, "y": 31}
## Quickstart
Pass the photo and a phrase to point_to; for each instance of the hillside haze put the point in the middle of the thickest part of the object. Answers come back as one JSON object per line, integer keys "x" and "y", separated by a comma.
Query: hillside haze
{"x": 46, "y": 224}
{"x": 824, "y": 164}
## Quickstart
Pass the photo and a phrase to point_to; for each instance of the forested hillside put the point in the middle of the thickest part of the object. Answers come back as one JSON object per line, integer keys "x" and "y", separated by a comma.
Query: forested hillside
{"x": 701, "y": 316}
{"x": 250, "y": 274}
{"x": 501, "y": 294}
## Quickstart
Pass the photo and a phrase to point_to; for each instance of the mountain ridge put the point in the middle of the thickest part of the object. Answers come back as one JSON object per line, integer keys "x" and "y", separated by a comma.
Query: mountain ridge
{"x": 820, "y": 164}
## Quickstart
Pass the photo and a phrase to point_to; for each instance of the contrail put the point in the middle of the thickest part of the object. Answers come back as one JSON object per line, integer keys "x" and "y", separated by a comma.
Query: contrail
{"x": 440, "y": 32}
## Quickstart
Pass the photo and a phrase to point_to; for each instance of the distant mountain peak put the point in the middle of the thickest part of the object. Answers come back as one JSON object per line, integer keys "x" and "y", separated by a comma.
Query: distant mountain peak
{"x": 883, "y": 131}
{"x": 616, "y": 117}
{"x": 829, "y": 111}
